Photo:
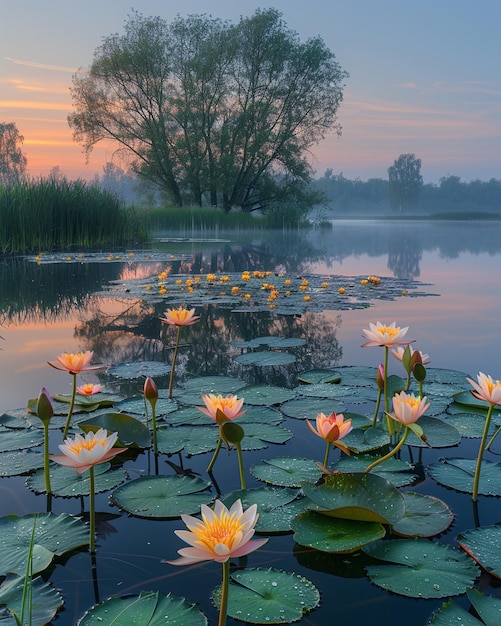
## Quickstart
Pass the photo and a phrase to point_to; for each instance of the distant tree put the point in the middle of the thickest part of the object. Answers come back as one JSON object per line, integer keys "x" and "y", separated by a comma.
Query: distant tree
{"x": 404, "y": 182}
{"x": 12, "y": 160}
{"x": 211, "y": 112}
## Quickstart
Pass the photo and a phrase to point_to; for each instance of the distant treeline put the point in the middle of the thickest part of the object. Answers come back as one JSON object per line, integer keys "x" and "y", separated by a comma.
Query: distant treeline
{"x": 349, "y": 197}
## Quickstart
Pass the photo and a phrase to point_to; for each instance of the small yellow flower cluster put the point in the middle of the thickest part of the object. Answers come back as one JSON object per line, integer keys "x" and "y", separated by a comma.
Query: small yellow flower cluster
{"x": 225, "y": 279}
{"x": 235, "y": 290}
{"x": 324, "y": 285}
{"x": 246, "y": 275}
{"x": 374, "y": 280}
{"x": 210, "y": 278}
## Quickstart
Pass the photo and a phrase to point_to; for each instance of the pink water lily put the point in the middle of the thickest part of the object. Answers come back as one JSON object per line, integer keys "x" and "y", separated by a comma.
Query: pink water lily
{"x": 407, "y": 408}
{"x": 83, "y": 453}
{"x": 220, "y": 535}
{"x": 416, "y": 355}
{"x": 230, "y": 405}
{"x": 385, "y": 335}
{"x": 180, "y": 316}
{"x": 331, "y": 428}
{"x": 486, "y": 388}
{"x": 89, "y": 389}
{"x": 74, "y": 363}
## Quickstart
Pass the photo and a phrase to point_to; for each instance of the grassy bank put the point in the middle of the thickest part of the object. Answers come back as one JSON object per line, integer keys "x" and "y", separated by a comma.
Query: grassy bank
{"x": 61, "y": 215}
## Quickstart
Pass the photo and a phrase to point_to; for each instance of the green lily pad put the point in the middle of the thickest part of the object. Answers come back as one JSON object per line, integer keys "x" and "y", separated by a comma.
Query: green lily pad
{"x": 421, "y": 569}
{"x": 188, "y": 416}
{"x": 309, "y": 408}
{"x": 162, "y": 496}
{"x": 337, "y": 392}
{"x": 451, "y": 614}
{"x": 11, "y": 440}
{"x": 15, "y": 418}
{"x": 459, "y": 473}
{"x": 268, "y": 596}
{"x": 439, "y": 434}
{"x": 139, "y": 369}
{"x": 45, "y": 600}
{"x": 131, "y": 431}
{"x": 425, "y": 516}
{"x": 360, "y": 496}
{"x": 271, "y": 342}
{"x": 193, "y": 440}
{"x": 329, "y": 534}
{"x": 54, "y": 535}
{"x": 466, "y": 398}
{"x": 364, "y": 440}
{"x": 265, "y": 395}
{"x": 269, "y": 433}
{"x": 316, "y": 376}
{"x": 484, "y": 546}
{"x": 275, "y": 514}
{"x": 66, "y": 483}
{"x": 261, "y": 415}
{"x": 393, "y": 470}
{"x": 287, "y": 471}
{"x": 20, "y": 462}
{"x": 149, "y": 608}
{"x": 265, "y": 358}
{"x": 214, "y": 384}
{"x": 138, "y": 406}
{"x": 469, "y": 425}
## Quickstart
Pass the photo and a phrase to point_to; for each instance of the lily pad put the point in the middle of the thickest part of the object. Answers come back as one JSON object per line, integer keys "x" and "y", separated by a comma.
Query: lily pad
{"x": 268, "y": 596}
{"x": 11, "y": 440}
{"x": 162, "y": 496}
{"x": 358, "y": 496}
{"x": 54, "y": 535}
{"x": 139, "y": 369}
{"x": 316, "y": 376}
{"x": 149, "y": 608}
{"x": 287, "y": 471}
{"x": 367, "y": 439}
{"x": 193, "y": 440}
{"x": 265, "y": 395}
{"x": 470, "y": 425}
{"x": 309, "y": 408}
{"x": 439, "y": 434}
{"x": 329, "y": 534}
{"x": 45, "y": 600}
{"x": 425, "y": 516}
{"x": 66, "y": 483}
{"x": 265, "y": 358}
{"x": 138, "y": 406}
{"x": 271, "y": 342}
{"x": 395, "y": 471}
{"x": 214, "y": 384}
{"x": 484, "y": 546}
{"x": 451, "y": 614}
{"x": 421, "y": 569}
{"x": 459, "y": 473}
{"x": 131, "y": 431}
{"x": 20, "y": 462}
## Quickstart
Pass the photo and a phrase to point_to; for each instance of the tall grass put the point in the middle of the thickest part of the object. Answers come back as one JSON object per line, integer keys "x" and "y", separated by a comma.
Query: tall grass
{"x": 50, "y": 214}
{"x": 196, "y": 219}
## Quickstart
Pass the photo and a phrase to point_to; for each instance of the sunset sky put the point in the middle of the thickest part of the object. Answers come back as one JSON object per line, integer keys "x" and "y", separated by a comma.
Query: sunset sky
{"x": 424, "y": 77}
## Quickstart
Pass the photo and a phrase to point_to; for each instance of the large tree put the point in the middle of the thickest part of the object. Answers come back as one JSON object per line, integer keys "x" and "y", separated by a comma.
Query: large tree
{"x": 208, "y": 110}
{"x": 12, "y": 160}
{"x": 405, "y": 182}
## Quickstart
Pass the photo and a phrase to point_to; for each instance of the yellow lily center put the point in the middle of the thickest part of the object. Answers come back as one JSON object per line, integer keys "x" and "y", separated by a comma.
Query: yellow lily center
{"x": 222, "y": 529}
{"x": 391, "y": 331}
{"x": 86, "y": 444}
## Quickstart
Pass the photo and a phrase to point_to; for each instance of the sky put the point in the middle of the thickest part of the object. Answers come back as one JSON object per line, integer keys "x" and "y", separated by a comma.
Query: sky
{"x": 424, "y": 78}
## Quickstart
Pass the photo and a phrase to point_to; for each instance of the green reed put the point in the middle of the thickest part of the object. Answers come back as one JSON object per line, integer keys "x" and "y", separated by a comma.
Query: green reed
{"x": 49, "y": 214}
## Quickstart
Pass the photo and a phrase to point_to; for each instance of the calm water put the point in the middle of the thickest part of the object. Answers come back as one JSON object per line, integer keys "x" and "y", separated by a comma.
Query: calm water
{"x": 45, "y": 310}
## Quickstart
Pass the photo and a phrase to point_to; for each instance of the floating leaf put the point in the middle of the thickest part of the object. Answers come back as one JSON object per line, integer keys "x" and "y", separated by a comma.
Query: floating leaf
{"x": 451, "y": 614}
{"x": 268, "y": 596}
{"x": 360, "y": 496}
{"x": 131, "y": 431}
{"x": 45, "y": 600}
{"x": 363, "y": 440}
{"x": 65, "y": 482}
{"x": 329, "y": 534}
{"x": 484, "y": 546}
{"x": 11, "y": 440}
{"x": 439, "y": 434}
{"x": 162, "y": 496}
{"x": 138, "y": 406}
{"x": 469, "y": 424}
{"x": 266, "y": 395}
{"x": 139, "y": 369}
{"x": 20, "y": 462}
{"x": 193, "y": 440}
{"x": 420, "y": 568}
{"x": 265, "y": 358}
{"x": 425, "y": 516}
{"x": 54, "y": 535}
{"x": 317, "y": 376}
{"x": 459, "y": 473}
{"x": 287, "y": 471}
{"x": 150, "y": 608}
{"x": 393, "y": 470}
{"x": 271, "y": 342}
{"x": 214, "y": 384}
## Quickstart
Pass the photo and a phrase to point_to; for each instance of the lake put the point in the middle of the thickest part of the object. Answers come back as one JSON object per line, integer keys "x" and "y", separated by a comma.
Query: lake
{"x": 74, "y": 305}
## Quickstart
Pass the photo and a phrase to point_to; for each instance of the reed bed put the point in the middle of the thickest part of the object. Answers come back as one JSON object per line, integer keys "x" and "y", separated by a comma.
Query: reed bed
{"x": 50, "y": 214}
{"x": 197, "y": 219}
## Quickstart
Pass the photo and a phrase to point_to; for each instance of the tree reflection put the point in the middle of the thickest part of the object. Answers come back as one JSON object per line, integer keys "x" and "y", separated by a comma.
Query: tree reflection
{"x": 404, "y": 255}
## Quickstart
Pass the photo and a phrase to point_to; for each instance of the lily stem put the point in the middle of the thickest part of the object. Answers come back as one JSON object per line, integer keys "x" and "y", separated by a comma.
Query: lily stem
{"x": 327, "y": 450}
{"x": 154, "y": 428}
{"x": 92, "y": 511}
{"x": 376, "y": 410}
{"x": 46, "y": 472}
{"x": 391, "y": 453}
{"x": 482, "y": 447}
{"x": 240, "y": 465}
{"x": 173, "y": 366}
{"x": 491, "y": 440}
{"x": 214, "y": 456}
{"x": 72, "y": 404}
{"x": 223, "y": 607}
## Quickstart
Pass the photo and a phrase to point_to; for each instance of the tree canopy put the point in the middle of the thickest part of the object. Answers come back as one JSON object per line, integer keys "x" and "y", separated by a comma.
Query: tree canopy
{"x": 12, "y": 160}
{"x": 212, "y": 112}
{"x": 405, "y": 182}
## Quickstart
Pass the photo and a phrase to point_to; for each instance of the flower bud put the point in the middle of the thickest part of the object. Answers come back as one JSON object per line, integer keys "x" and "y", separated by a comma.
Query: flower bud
{"x": 150, "y": 391}
{"x": 44, "y": 406}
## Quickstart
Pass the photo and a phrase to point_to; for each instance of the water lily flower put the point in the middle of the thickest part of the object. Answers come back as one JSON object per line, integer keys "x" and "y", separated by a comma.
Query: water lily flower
{"x": 385, "y": 335}
{"x": 230, "y": 406}
{"x": 220, "y": 535}
{"x": 74, "y": 363}
{"x": 486, "y": 388}
{"x": 180, "y": 317}
{"x": 82, "y": 453}
{"x": 407, "y": 408}
{"x": 331, "y": 429}
{"x": 89, "y": 389}
{"x": 416, "y": 355}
